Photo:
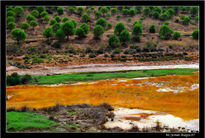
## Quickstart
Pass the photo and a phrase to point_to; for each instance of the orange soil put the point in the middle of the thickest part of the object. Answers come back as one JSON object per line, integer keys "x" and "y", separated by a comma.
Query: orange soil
{"x": 124, "y": 94}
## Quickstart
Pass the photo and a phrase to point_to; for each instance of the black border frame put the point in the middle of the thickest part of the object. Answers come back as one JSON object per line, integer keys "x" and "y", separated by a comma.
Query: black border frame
{"x": 98, "y": 3}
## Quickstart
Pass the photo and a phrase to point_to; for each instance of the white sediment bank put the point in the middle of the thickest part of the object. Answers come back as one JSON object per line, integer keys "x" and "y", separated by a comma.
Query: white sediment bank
{"x": 164, "y": 119}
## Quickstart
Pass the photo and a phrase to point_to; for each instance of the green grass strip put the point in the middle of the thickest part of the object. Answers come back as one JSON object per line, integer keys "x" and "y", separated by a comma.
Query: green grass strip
{"x": 18, "y": 121}
{"x": 64, "y": 78}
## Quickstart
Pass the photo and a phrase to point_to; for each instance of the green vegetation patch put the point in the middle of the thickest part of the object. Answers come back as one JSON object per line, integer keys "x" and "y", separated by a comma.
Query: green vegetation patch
{"x": 18, "y": 121}
{"x": 52, "y": 79}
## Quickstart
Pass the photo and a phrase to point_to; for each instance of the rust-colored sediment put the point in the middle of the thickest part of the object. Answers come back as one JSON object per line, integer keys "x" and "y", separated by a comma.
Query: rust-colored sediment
{"x": 115, "y": 92}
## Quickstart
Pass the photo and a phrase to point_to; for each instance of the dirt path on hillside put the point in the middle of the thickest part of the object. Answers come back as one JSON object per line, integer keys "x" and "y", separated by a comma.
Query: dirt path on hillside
{"x": 46, "y": 70}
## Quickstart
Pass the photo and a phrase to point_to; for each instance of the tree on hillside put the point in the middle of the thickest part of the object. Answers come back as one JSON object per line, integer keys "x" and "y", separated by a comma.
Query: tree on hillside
{"x": 35, "y": 13}
{"x": 137, "y": 31}
{"x": 19, "y": 11}
{"x": 80, "y": 32}
{"x": 60, "y": 35}
{"x": 40, "y": 9}
{"x": 124, "y": 36}
{"x": 29, "y": 17}
{"x": 11, "y": 25}
{"x": 176, "y": 35}
{"x": 10, "y": 13}
{"x": 102, "y": 21}
{"x": 98, "y": 31}
{"x": 165, "y": 32}
{"x": 18, "y": 35}
{"x": 60, "y": 10}
{"x": 85, "y": 27}
{"x": 43, "y": 14}
{"x": 48, "y": 32}
{"x": 65, "y": 19}
{"x": 56, "y": 26}
{"x": 152, "y": 28}
{"x": 113, "y": 10}
{"x": 74, "y": 23}
{"x": 10, "y": 19}
{"x": 98, "y": 14}
{"x": 146, "y": 11}
{"x": 68, "y": 28}
{"x": 132, "y": 12}
{"x": 80, "y": 10}
{"x": 85, "y": 18}
{"x": 25, "y": 25}
{"x": 104, "y": 10}
{"x": 114, "y": 41}
{"x": 119, "y": 28}
{"x": 33, "y": 23}
{"x": 58, "y": 19}
{"x": 71, "y": 10}
{"x": 52, "y": 21}
{"x": 46, "y": 19}
{"x": 195, "y": 34}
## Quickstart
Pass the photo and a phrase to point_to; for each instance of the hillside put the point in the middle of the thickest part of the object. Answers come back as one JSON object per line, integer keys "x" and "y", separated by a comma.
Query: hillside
{"x": 84, "y": 48}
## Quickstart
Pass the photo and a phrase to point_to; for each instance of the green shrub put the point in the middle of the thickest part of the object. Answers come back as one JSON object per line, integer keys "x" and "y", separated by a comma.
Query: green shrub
{"x": 92, "y": 55}
{"x": 137, "y": 31}
{"x": 118, "y": 16}
{"x": 152, "y": 28}
{"x": 18, "y": 35}
{"x": 85, "y": 18}
{"x": 65, "y": 19}
{"x": 60, "y": 10}
{"x": 13, "y": 79}
{"x": 80, "y": 32}
{"x": 195, "y": 34}
{"x": 101, "y": 21}
{"x": 37, "y": 60}
{"x": 85, "y": 27}
{"x": 98, "y": 31}
{"x": 116, "y": 51}
{"x": 58, "y": 19}
{"x": 165, "y": 32}
{"x": 26, "y": 79}
{"x": 114, "y": 41}
{"x": 176, "y": 35}
{"x": 125, "y": 36}
{"x": 56, "y": 45}
{"x": 52, "y": 21}
{"x": 119, "y": 28}
{"x": 25, "y": 25}
{"x": 11, "y": 25}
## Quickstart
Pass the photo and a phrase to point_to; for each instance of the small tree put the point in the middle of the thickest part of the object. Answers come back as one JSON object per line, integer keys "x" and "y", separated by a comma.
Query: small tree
{"x": 152, "y": 28}
{"x": 25, "y": 25}
{"x": 156, "y": 15}
{"x": 48, "y": 32}
{"x": 132, "y": 12}
{"x": 65, "y": 19}
{"x": 60, "y": 35}
{"x": 146, "y": 11}
{"x": 43, "y": 14}
{"x": 119, "y": 28}
{"x": 74, "y": 23}
{"x": 11, "y": 25}
{"x": 104, "y": 10}
{"x": 40, "y": 8}
{"x": 60, "y": 10}
{"x": 71, "y": 10}
{"x": 29, "y": 17}
{"x": 165, "y": 32}
{"x": 176, "y": 35}
{"x": 10, "y": 19}
{"x": 125, "y": 36}
{"x": 98, "y": 31}
{"x": 46, "y": 19}
{"x": 113, "y": 10}
{"x": 52, "y": 21}
{"x": 137, "y": 31}
{"x": 58, "y": 19}
{"x": 125, "y": 11}
{"x": 85, "y": 18}
{"x": 19, "y": 11}
{"x": 80, "y": 33}
{"x": 101, "y": 21}
{"x": 114, "y": 41}
{"x": 85, "y": 27}
{"x": 80, "y": 10}
{"x": 68, "y": 28}
{"x": 98, "y": 14}
{"x": 195, "y": 34}
{"x": 13, "y": 79}
{"x": 56, "y": 26}
{"x": 10, "y": 13}
{"x": 33, "y": 23}
{"x": 35, "y": 13}
{"x": 18, "y": 35}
